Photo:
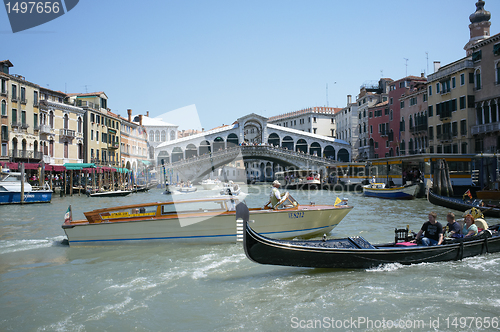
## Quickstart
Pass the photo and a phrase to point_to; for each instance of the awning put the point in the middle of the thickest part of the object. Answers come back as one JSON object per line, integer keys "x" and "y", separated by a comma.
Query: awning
{"x": 78, "y": 166}
{"x": 55, "y": 168}
{"x": 122, "y": 170}
{"x": 31, "y": 166}
{"x": 108, "y": 169}
{"x": 145, "y": 162}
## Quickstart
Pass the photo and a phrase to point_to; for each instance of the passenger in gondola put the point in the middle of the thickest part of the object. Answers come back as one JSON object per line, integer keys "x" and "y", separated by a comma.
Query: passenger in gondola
{"x": 470, "y": 229}
{"x": 432, "y": 232}
{"x": 453, "y": 227}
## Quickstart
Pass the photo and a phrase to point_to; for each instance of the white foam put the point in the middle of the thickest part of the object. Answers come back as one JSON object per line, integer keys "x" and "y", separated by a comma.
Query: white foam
{"x": 386, "y": 267}
{"x": 9, "y": 246}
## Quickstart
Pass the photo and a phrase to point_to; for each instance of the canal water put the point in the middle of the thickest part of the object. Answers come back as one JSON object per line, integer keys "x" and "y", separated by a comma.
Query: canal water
{"x": 47, "y": 286}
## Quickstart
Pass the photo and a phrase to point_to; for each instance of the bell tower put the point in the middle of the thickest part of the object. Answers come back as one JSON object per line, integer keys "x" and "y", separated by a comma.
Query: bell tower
{"x": 479, "y": 27}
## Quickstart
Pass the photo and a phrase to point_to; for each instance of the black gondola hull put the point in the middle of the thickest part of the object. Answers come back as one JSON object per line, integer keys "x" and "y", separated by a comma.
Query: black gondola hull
{"x": 460, "y": 205}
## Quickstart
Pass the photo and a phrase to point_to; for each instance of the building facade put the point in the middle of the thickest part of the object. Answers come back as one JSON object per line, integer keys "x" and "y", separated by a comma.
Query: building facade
{"x": 60, "y": 129}
{"x": 346, "y": 123}
{"x": 158, "y": 132}
{"x": 315, "y": 120}
{"x": 413, "y": 124}
{"x": 486, "y": 60}
{"x": 378, "y": 130}
{"x": 4, "y": 115}
{"x": 133, "y": 143}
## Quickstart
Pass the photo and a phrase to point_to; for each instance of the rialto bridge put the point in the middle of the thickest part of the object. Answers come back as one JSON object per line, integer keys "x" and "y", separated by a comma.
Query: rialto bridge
{"x": 255, "y": 141}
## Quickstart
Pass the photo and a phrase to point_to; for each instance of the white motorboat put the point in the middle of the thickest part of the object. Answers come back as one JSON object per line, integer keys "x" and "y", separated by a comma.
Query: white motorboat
{"x": 209, "y": 184}
{"x": 10, "y": 190}
{"x": 230, "y": 189}
{"x": 200, "y": 220}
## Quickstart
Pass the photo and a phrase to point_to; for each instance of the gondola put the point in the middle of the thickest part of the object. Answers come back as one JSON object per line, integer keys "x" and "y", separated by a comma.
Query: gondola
{"x": 355, "y": 252}
{"x": 462, "y": 205}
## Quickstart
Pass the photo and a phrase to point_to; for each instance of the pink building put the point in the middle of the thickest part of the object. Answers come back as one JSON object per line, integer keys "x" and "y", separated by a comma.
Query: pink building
{"x": 378, "y": 129}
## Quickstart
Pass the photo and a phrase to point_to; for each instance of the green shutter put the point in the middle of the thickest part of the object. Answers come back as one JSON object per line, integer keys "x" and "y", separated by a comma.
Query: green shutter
{"x": 496, "y": 49}
{"x": 476, "y": 56}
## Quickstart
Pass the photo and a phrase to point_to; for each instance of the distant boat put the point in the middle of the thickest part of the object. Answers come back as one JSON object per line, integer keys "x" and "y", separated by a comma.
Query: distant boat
{"x": 463, "y": 205}
{"x": 187, "y": 189}
{"x": 10, "y": 190}
{"x": 488, "y": 195}
{"x": 230, "y": 189}
{"x": 112, "y": 193}
{"x": 380, "y": 191}
{"x": 209, "y": 184}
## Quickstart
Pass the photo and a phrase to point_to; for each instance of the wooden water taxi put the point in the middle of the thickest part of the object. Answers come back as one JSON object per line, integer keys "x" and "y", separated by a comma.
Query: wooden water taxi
{"x": 380, "y": 191}
{"x": 200, "y": 220}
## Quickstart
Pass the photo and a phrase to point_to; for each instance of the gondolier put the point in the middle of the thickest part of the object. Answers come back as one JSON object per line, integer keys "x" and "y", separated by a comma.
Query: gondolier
{"x": 275, "y": 194}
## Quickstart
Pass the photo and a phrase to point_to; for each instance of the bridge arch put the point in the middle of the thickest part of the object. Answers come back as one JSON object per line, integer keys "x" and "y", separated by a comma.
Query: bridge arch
{"x": 252, "y": 130}
{"x": 301, "y": 145}
{"x": 329, "y": 152}
{"x": 315, "y": 149}
{"x": 205, "y": 148}
{"x": 191, "y": 151}
{"x": 232, "y": 140}
{"x": 219, "y": 144}
{"x": 343, "y": 155}
{"x": 273, "y": 139}
{"x": 163, "y": 155}
{"x": 177, "y": 154}
{"x": 287, "y": 143}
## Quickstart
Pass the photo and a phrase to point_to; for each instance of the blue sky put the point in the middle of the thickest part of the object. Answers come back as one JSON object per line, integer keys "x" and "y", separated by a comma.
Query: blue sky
{"x": 231, "y": 58}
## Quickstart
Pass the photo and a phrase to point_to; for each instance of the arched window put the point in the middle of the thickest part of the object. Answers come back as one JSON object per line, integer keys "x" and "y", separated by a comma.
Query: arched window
{"x": 79, "y": 124}
{"x": 51, "y": 120}
{"x": 66, "y": 122}
{"x": 390, "y": 116}
{"x": 4, "y": 107}
{"x": 157, "y": 136}
{"x": 151, "y": 136}
{"x": 172, "y": 135}
{"x": 477, "y": 76}
{"x": 163, "y": 135}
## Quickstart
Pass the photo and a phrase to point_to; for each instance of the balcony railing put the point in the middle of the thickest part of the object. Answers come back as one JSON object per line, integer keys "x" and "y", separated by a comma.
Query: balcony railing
{"x": 114, "y": 145}
{"x": 13, "y": 98}
{"x": 444, "y": 115}
{"x": 24, "y": 125}
{"x": 16, "y": 124}
{"x": 67, "y": 133}
{"x": 444, "y": 137}
{"x": 35, "y": 103}
{"x": 24, "y": 100}
{"x": 4, "y": 92}
{"x": 26, "y": 154}
{"x": 486, "y": 128}
{"x": 419, "y": 128}
{"x": 46, "y": 129}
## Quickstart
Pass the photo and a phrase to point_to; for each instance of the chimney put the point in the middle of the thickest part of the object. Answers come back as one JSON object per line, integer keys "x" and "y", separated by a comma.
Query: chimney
{"x": 147, "y": 114}
{"x": 140, "y": 119}
{"x": 437, "y": 65}
{"x": 349, "y": 99}
{"x": 129, "y": 112}
{"x": 422, "y": 75}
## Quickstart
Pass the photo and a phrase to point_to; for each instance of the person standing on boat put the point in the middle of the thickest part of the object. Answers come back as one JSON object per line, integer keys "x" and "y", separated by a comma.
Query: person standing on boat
{"x": 432, "y": 231}
{"x": 453, "y": 227}
{"x": 275, "y": 194}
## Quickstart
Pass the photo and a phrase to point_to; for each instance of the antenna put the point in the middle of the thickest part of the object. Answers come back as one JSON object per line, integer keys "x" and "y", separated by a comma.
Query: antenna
{"x": 86, "y": 90}
{"x": 326, "y": 94}
{"x": 406, "y": 67}
{"x": 381, "y": 73}
{"x": 65, "y": 88}
{"x": 427, "y": 55}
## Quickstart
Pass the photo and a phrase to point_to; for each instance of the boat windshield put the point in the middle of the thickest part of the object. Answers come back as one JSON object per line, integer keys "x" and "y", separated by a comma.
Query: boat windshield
{"x": 287, "y": 201}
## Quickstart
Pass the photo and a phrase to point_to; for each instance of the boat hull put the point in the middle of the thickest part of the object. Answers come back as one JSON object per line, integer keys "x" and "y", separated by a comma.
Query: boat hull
{"x": 118, "y": 193}
{"x": 39, "y": 196}
{"x": 327, "y": 254}
{"x": 391, "y": 193}
{"x": 488, "y": 194}
{"x": 307, "y": 221}
{"x": 460, "y": 205}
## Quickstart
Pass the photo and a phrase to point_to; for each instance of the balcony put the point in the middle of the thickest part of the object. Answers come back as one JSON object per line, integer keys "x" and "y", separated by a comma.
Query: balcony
{"x": 35, "y": 103}
{"x": 113, "y": 145}
{"x": 445, "y": 115}
{"x": 26, "y": 154}
{"x": 15, "y": 124}
{"x": 87, "y": 104}
{"x": 67, "y": 133}
{"x": 13, "y": 98}
{"x": 4, "y": 92}
{"x": 383, "y": 133}
{"x": 419, "y": 128}
{"x": 24, "y": 101}
{"x": 24, "y": 125}
{"x": 46, "y": 129}
{"x": 486, "y": 128}
{"x": 444, "y": 137}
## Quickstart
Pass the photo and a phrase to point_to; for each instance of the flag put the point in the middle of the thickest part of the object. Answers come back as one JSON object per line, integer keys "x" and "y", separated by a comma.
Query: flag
{"x": 467, "y": 193}
{"x": 337, "y": 201}
{"x": 68, "y": 217}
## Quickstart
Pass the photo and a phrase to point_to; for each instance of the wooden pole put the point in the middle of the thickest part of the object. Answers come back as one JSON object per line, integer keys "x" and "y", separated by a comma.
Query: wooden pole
{"x": 22, "y": 183}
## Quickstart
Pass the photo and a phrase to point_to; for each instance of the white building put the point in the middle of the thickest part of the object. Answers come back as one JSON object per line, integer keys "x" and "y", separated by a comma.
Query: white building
{"x": 158, "y": 132}
{"x": 346, "y": 123}
{"x": 315, "y": 120}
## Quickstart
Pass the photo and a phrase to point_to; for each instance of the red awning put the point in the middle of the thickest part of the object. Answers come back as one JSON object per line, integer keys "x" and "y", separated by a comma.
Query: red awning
{"x": 31, "y": 166}
{"x": 55, "y": 168}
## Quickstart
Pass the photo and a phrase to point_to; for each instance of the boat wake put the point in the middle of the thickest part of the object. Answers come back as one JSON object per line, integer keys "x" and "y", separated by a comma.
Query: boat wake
{"x": 10, "y": 246}
{"x": 387, "y": 267}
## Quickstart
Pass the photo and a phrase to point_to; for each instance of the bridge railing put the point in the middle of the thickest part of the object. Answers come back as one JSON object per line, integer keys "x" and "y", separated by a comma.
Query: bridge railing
{"x": 247, "y": 148}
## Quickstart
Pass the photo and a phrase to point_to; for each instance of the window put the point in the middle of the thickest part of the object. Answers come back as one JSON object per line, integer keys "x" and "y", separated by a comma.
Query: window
{"x": 463, "y": 127}
{"x": 391, "y": 101}
{"x": 14, "y": 116}
{"x": 471, "y": 78}
{"x": 14, "y": 92}
{"x": 430, "y": 90}
{"x": 4, "y": 150}
{"x": 35, "y": 98}
{"x": 35, "y": 120}
{"x": 66, "y": 150}
{"x": 314, "y": 130}
{"x": 370, "y": 114}
{"x": 453, "y": 82}
{"x": 462, "y": 102}
{"x": 376, "y": 145}
{"x": 91, "y": 135}
{"x": 429, "y": 109}
{"x": 97, "y": 136}
{"x": 477, "y": 76}
{"x": 476, "y": 56}
{"x": 386, "y": 112}
{"x": 425, "y": 97}
{"x": 23, "y": 94}
{"x": 4, "y": 108}
{"x": 364, "y": 113}
{"x": 402, "y": 104}
{"x": 314, "y": 119}
{"x": 454, "y": 129}
{"x": 371, "y": 129}
{"x": 390, "y": 116}
{"x": 413, "y": 101}
{"x": 5, "y": 133}
{"x": 498, "y": 72}
{"x": 471, "y": 101}
{"x": 431, "y": 133}
{"x": 462, "y": 79}
{"x": 437, "y": 87}
{"x": 464, "y": 148}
